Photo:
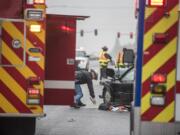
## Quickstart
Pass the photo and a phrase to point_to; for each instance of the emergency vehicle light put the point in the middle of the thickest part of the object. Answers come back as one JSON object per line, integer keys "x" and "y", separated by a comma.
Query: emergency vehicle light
{"x": 158, "y": 88}
{"x": 156, "y": 2}
{"x": 32, "y": 91}
{"x": 158, "y": 78}
{"x": 39, "y": 1}
{"x": 35, "y": 28}
{"x": 157, "y": 100}
{"x": 65, "y": 28}
{"x": 33, "y": 96}
{"x": 160, "y": 38}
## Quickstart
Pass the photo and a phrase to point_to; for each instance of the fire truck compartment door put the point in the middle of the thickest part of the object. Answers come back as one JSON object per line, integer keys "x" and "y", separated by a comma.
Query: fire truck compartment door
{"x": 12, "y": 42}
{"x": 60, "y": 55}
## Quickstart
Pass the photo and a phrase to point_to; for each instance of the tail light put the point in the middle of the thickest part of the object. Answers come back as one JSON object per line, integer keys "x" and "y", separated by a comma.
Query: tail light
{"x": 158, "y": 89}
{"x": 158, "y": 78}
{"x": 33, "y": 96}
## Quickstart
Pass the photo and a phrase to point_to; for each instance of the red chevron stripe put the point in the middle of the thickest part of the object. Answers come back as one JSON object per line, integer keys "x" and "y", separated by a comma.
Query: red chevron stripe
{"x": 153, "y": 111}
{"x": 32, "y": 37}
{"x": 154, "y": 49}
{"x": 178, "y": 87}
{"x": 13, "y": 99}
{"x": 16, "y": 75}
{"x": 166, "y": 68}
{"x": 8, "y": 40}
{"x": 35, "y": 68}
{"x": 32, "y": 65}
{"x": 159, "y": 14}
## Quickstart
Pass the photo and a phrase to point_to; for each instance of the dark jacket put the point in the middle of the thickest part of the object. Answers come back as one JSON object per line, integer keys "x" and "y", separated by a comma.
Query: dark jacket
{"x": 85, "y": 77}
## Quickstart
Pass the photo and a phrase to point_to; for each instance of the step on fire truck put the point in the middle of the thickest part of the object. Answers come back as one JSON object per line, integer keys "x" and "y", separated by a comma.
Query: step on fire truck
{"x": 28, "y": 79}
{"x": 157, "y": 88}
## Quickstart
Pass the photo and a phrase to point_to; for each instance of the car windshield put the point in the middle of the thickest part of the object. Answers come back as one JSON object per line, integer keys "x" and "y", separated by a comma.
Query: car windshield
{"x": 80, "y": 54}
{"x": 128, "y": 77}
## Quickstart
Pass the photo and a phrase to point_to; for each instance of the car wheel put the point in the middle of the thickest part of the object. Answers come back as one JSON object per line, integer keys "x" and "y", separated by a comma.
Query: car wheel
{"x": 107, "y": 96}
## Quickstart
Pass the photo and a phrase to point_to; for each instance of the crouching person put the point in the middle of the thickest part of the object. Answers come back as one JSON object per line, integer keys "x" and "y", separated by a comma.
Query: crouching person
{"x": 84, "y": 77}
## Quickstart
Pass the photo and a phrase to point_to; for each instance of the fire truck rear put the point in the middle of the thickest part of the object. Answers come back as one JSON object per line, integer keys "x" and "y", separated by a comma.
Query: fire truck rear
{"x": 22, "y": 50}
{"x": 157, "y": 92}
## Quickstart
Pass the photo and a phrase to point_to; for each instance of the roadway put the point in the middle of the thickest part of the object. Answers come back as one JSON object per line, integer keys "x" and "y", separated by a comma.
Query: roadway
{"x": 64, "y": 120}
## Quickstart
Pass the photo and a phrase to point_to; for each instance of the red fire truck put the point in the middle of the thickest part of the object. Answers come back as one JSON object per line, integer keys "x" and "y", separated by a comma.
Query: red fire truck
{"x": 37, "y": 53}
{"x": 157, "y": 92}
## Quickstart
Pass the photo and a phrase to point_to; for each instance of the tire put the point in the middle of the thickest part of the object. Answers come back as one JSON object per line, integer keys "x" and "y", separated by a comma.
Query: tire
{"x": 107, "y": 96}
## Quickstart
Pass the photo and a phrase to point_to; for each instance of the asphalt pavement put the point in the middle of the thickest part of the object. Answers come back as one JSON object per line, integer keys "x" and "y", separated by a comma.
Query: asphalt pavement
{"x": 84, "y": 121}
{"x": 65, "y": 120}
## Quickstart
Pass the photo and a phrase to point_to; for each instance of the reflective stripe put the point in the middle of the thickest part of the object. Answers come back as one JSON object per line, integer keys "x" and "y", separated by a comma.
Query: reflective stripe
{"x": 56, "y": 84}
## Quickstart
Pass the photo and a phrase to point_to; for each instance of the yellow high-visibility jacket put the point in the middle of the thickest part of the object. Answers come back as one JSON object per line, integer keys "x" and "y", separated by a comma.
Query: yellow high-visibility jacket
{"x": 103, "y": 61}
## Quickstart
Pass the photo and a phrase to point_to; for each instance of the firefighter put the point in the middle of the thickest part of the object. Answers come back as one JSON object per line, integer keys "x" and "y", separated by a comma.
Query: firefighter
{"x": 84, "y": 77}
{"x": 104, "y": 59}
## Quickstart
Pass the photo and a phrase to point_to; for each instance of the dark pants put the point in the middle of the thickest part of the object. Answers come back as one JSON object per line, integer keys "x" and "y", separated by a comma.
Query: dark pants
{"x": 103, "y": 72}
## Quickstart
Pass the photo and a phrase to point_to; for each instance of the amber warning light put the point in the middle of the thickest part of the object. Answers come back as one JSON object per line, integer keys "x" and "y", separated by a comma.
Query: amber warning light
{"x": 156, "y": 2}
{"x": 158, "y": 78}
{"x": 39, "y": 1}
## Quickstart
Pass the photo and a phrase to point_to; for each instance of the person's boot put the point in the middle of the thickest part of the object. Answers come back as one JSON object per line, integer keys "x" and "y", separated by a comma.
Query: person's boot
{"x": 81, "y": 104}
{"x": 75, "y": 105}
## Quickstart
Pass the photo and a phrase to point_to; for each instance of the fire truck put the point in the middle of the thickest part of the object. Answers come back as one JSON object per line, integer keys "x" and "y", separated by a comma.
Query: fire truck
{"x": 37, "y": 56}
{"x": 156, "y": 108}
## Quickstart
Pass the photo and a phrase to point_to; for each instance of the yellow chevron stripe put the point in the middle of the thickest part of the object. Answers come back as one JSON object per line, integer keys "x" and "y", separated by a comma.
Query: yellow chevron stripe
{"x": 38, "y": 109}
{"x": 6, "y": 105}
{"x": 40, "y": 6}
{"x": 149, "y": 11}
{"x": 13, "y": 85}
{"x": 166, "y": 115}
{"x": 145, "y": 100}
{"x": 12, "y": 57}
{"x": 39, "y": 35}
{"x": 26, "y": 72}
{"x": 16, "y": 89}
{"x": 14, "y": 32}
{"x": 40, "y": 86}
{"x": 171, "y": 78}
{"x": 161, "y": 27}
{"x": 159, "y": 59}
